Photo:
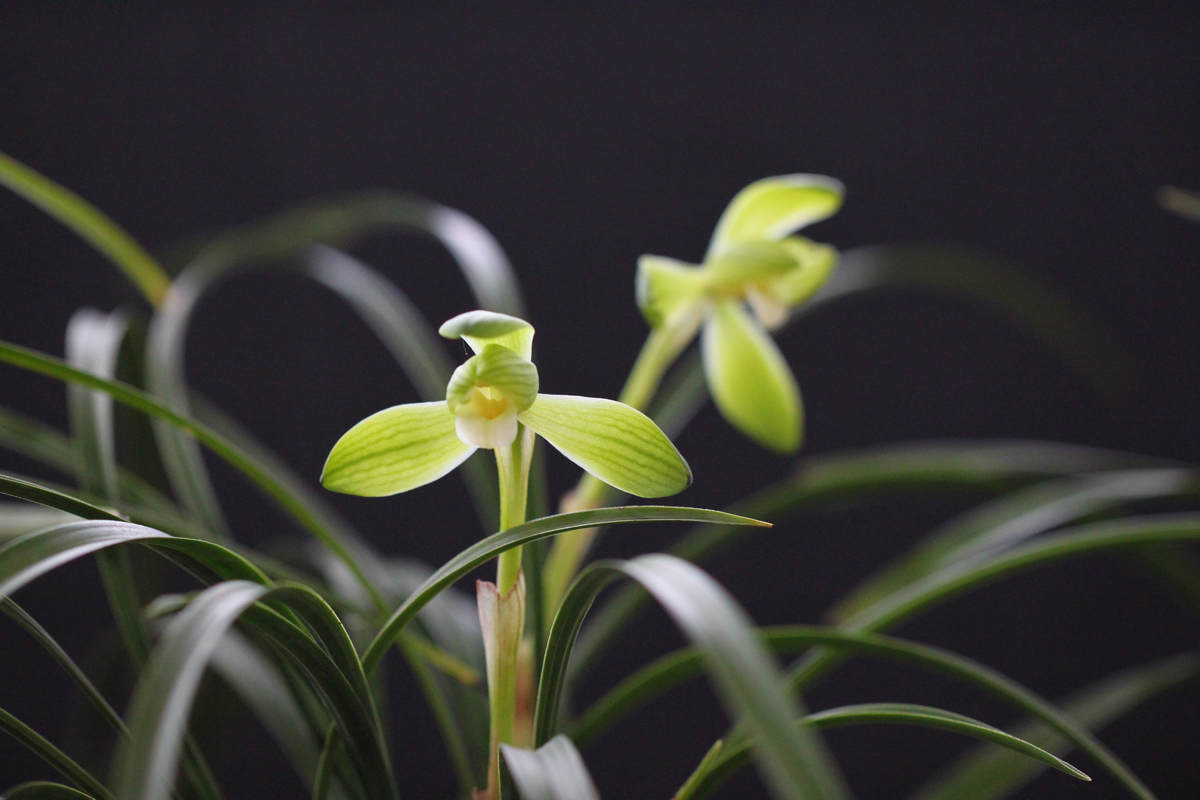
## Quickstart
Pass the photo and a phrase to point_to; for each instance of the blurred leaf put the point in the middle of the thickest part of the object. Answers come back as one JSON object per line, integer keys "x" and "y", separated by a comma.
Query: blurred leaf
{"x": 56, "y": 758}
{"x": 902, "y": 714}
{"x": 278, "y": 240}
{"x": 166, "y": 690}
{"x": 791, "y": 758}
{"x": 661, "y": 675}
{"x": 988, "y": 774}
{"x": 997, "y": 285}
{"x": 312, "y": 519}
{"x": 1012, "y": 519}
{"x": 555, "y": 771}
{"x": 109, "y": 239}
{"x": 68, "y": 665}
{"x": 1184, "y": 203}
{"x": 44, "y": 790}
{"x": 856, "y": 476}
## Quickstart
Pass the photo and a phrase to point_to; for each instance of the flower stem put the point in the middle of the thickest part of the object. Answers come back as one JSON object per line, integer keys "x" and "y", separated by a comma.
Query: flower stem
{"x": 658, "y": 353}
{"x": 502, "y": 607}
{"x": 512, "y": 465}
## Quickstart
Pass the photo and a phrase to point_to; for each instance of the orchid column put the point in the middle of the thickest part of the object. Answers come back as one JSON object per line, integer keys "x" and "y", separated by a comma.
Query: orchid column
{"x": 492, "y": 402}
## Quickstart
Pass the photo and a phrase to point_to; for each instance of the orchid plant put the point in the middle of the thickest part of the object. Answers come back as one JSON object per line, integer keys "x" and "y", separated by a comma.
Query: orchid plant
{"x": 299, "y": 639}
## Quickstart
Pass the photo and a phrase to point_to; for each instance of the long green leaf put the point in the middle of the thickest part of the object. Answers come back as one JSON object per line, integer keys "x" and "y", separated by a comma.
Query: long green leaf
{"x": 47, "y": 446}
{"x": 986, "y": 773}
{"x": 25, "y": 559}
{"x": 44, "y": 790}
{"x": 45, "y": 750}
{"x": 262, "y": 687}
{"x": 18, "y": 519}
{"x": 791, "y": 759}
{"x": 555, "y": 771}
{"x": 486, "y": 549}
{"x": 164, "y": 695}
{"x": 901, "y": 714}
{"x": 277, "y": 240}
{"x": 664, "y": 673}
{"x": 109, "y": 239}
{"x": 64, "y": 660}
{"x": 310, "y": 519}
{"x": 1014, "y": 518}
{"x": 837, "y": 479}
{"x": 1077, "y": 541}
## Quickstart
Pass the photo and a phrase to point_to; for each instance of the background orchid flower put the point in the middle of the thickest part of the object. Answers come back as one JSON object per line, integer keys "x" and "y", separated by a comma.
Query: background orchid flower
{"x": 489, "y": 399}
{"x": 752, "y": 261}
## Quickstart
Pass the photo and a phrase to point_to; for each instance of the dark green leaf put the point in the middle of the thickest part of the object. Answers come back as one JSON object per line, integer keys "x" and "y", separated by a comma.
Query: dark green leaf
{"x": 792, "y": 759}
{"x": 56, "y": 758}
{"x": 486, "y": 549}
{"x": 986, "y": 773}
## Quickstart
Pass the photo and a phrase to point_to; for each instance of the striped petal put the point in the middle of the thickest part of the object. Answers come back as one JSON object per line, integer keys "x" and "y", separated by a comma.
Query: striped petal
{"x": 394, "y": 450}
{"x": 749, "y": 379}
{"x": 481, "y": 328}
{"x": 772, "y": 208}
{"x": 615, "y": 442}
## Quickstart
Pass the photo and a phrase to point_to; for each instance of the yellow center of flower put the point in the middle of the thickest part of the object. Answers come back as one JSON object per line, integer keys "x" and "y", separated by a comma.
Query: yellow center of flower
{"x": 483, "y": 402}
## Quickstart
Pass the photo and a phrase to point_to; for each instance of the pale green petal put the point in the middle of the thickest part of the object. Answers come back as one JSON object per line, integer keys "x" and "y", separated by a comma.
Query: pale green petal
{"x": 815, "y": 263}
{"x": 498, "y": 369}
{"x": 480, "y": 328}
{"x": 394, "y": 450}
{"x": 749, "y": 380}
{"x": 748, "y": 262}
{"x": 615, "y": 442}
{"x": 666, "y": 286}
{"x": 772, "y": 208}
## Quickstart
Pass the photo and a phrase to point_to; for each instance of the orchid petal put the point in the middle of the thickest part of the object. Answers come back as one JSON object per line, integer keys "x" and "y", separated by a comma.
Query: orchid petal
{"x": 485, "y": 432}
{"x": 749, "y": 262}
{"x": 480, "y": 328}
{"x": 749, "y": 379}
{"x": 510, "y": 380}
{"x": 814, "y": 262}
{"x": 614, "y": 442}
{"x": 394, "y": 450}
{"x": 666, "y": 287}
{"x": 772, "y": 208}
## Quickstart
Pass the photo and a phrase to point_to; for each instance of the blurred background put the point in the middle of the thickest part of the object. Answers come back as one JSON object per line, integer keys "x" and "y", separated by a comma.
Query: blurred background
{"x": 581, "y": 140}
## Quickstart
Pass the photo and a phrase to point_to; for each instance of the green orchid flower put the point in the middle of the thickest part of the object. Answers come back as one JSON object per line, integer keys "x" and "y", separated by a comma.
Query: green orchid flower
{"x": 492, "y": 400}
{"x": 753, "y": 274}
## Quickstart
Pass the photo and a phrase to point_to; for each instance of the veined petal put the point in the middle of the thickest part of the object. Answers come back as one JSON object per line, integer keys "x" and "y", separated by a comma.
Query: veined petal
{"x": 666, "y": 286}
{"x": 510, "y": 378}
{"x": 749, "y": 379}
{"x": 394, "y": 450}
{"x": 480, "y": 328}
{"x": 615, "y": 442}
{"x": 772, "y": 208}
{"x": 814, "y": 262}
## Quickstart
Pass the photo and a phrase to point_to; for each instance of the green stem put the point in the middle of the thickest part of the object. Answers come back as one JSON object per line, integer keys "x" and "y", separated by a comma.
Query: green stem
{"x": 507, "y": 622}
{"x": 512, "y": 465}
{"x": 662, "y": 347}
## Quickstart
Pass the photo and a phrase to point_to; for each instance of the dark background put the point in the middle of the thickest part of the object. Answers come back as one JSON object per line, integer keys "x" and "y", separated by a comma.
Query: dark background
{"x": 582, "y": 140}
